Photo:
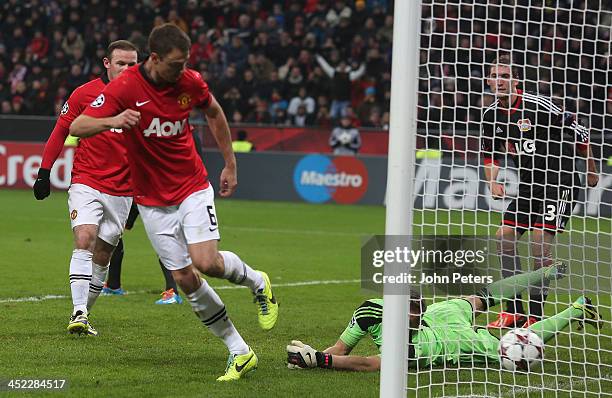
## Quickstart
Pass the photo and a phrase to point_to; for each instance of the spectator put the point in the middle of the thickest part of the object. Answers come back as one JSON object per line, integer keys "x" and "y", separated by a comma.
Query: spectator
{"x": 277, "y": 102}
{"x": 302, "y": 99}
{"x": 301, "y": 118}
{"x": 260, "y": 114}
{"x": 323, "y": 119}
{"x": 201, "y": 50}
{"x": 364, "y": 110}
{"x": 341, "y": 76}
{"x": 242, "y": 143}
{"x": 174, "y": 18}
{"x": 345, "y": 139}
{"x": 6, "y": 108}
{"x": 72, "y": 41}
{"x": 39, "y": 45}
{"x": 236, "y": 52}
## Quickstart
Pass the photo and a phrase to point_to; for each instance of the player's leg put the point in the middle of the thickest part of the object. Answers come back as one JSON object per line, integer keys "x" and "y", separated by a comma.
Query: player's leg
{"x": 116, "y": 210}
{"x": 502, "y": 289}
{"x": 99, "y": 269}
{"x": 86, "y": 210}
{"x": 552, "y": 217}
{"x": 514, "y": 224}
{"x": 113, "y": 281}
{"x": 582, "y": 310}
{"x": 170, "y": 294}
{"x": 163, "y": 229}
{"x": 541, "y": 245}
{"x": 202, "y": 234}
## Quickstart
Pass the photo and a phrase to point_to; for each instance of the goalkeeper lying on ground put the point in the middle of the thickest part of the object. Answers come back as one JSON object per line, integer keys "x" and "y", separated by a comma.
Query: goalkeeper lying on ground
{"x": 444, "y": 331}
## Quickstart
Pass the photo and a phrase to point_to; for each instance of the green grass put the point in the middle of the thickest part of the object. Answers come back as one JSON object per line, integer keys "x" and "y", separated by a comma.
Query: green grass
{"x": 157, "y": 351}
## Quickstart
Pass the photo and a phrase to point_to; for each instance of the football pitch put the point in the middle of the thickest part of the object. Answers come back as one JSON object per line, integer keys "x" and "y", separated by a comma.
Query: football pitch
{"x": 312, "y": 254}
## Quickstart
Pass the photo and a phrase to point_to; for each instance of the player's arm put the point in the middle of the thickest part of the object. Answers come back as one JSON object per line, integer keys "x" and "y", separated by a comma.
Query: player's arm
{"x": 86, "y": 126}
{"x": 356, "y": 363}
{"x": 71, "y": 109}
{"x": 219, "y": 127}
{"x": 300, "y": 355}
{"x": 592, "y": 172}
{"x": 583, "y": 147}
{"x": 340, "y": 348}
{"x": 53, "y": 147}
{"x": 491, "y": 165}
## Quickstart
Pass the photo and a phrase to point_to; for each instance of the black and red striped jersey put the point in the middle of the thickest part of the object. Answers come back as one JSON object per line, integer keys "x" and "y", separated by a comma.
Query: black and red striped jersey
{"x": 538, "y": 138}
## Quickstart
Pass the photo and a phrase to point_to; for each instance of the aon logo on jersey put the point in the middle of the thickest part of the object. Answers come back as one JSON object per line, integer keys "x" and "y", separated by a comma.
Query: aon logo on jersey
{"x": 164, "y": 129}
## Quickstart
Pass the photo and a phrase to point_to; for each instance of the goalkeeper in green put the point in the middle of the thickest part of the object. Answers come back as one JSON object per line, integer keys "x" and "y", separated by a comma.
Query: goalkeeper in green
{"x": 444, "y": 331}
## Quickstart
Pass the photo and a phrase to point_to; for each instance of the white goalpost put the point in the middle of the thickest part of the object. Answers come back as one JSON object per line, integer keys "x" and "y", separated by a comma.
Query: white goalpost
{"x": 561, "y": 51}
{"x": 400, "y": 184}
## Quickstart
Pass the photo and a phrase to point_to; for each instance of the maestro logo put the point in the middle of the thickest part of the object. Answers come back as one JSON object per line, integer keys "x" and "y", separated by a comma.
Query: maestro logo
{"x": 318, "y": 178}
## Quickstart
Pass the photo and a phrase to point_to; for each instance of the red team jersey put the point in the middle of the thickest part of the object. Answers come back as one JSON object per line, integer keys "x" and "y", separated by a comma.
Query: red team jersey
{"x": 164, "y": 165}
{"x": 100, "y": 161}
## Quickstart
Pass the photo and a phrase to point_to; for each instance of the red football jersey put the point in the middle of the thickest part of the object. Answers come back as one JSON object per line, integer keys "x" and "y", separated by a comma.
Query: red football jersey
{"x": 100, "y": 161}
{"x": 164, "y": 165}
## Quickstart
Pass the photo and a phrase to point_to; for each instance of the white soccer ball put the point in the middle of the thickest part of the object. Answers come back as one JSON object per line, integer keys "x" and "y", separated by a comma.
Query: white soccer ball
{"x": 521, "y": 349}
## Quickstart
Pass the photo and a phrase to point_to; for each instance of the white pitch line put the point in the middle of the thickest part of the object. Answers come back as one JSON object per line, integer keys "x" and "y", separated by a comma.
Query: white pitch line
{"x": 245, "y": 229}
{"x": 131, "y": 293}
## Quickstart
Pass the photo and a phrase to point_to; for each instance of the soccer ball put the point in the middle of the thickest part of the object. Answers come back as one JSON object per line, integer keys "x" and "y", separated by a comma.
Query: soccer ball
{"x": 520, "y": 349}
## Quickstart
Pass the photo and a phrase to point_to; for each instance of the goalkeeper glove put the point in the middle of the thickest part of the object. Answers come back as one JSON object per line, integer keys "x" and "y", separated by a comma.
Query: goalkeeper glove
{"x": 300, "y": 355}
{"x": 42, "y": 186}
{"x": 303, "y": 356}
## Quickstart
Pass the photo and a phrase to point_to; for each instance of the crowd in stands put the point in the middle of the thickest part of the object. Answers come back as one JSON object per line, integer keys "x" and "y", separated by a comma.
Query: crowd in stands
{"x": 297, "y": 63}
{"x": 309, "y": 62}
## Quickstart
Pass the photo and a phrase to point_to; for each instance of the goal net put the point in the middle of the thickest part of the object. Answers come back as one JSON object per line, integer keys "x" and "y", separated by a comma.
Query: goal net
{"x": 536, "y": 141}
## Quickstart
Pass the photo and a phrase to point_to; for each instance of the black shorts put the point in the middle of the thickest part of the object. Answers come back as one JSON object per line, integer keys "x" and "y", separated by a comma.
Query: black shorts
{"x": 550, "y": 213}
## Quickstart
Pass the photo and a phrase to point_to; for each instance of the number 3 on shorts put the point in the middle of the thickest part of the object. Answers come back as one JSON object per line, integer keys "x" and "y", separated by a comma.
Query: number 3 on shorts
{"x": 211, "y": 215}
{"x": 551, "y": 212}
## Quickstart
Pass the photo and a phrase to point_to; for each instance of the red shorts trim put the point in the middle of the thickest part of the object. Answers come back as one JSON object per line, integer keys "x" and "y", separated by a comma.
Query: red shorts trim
{"x": 545, "y": 225}
{"x": 517, "y": 224}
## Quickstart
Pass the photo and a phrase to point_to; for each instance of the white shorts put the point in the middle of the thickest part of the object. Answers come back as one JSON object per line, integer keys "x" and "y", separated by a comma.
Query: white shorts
{"x": 172, "y": 228}
{"x": 90, "y": 206}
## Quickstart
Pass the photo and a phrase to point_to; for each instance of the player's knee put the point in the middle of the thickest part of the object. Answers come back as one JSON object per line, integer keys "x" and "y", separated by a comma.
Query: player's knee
{"x": 209, "y": 264}
{"x": 84, "y": 240}
{"x": 101, "y": 258}
{"x": 187, "y": 279}
{"x": 506, "y": 239}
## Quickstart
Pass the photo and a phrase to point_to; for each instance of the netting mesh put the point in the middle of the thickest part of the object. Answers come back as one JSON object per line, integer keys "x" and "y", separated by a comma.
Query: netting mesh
{"x": 561, "y": 51}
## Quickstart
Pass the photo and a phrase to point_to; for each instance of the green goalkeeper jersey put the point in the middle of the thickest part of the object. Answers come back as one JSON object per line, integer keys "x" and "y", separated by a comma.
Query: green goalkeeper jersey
{"x": 367, "y": 319}
{"x": 446, "y": 333}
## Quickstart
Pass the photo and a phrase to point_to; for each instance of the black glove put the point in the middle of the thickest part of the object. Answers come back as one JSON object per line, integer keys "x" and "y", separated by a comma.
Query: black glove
{"x": 42, "y": 186}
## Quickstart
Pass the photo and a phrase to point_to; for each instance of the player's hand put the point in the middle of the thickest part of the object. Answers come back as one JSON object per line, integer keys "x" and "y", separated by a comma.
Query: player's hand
{"x": 300, "y": 355}
{"x": 592, "y": 179}
{"x": 497, "y": 190}
{"x": 42, "y": 185}
{"x": 229, "y": 181}
{"x": 126, "y": 119}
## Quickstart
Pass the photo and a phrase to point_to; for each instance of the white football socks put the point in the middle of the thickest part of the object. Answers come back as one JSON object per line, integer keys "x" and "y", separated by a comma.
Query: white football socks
{"x": 208, "y": 306}
{"x": 238, "y": 272}
{"x": 80, "y": 275}
{"x": 98, "y": 277}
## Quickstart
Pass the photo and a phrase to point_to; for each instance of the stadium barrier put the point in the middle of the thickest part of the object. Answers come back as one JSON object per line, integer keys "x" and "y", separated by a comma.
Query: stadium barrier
{"x": 441, "y": 182}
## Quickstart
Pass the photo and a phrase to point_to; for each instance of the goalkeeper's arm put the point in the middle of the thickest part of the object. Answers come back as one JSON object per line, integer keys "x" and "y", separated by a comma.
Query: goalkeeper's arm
{"x": 300, "y": 355}
{"x": 356, "y": 363}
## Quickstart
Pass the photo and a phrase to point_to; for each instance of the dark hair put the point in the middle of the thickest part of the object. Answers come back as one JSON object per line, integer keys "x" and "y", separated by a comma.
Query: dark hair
{"x": 164, "y": 38}
{"x": 119, "y": 45}
{"x": 506, "y": 59}
{"x": 242, "y": 135}
{"x": 417, "y": 304}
